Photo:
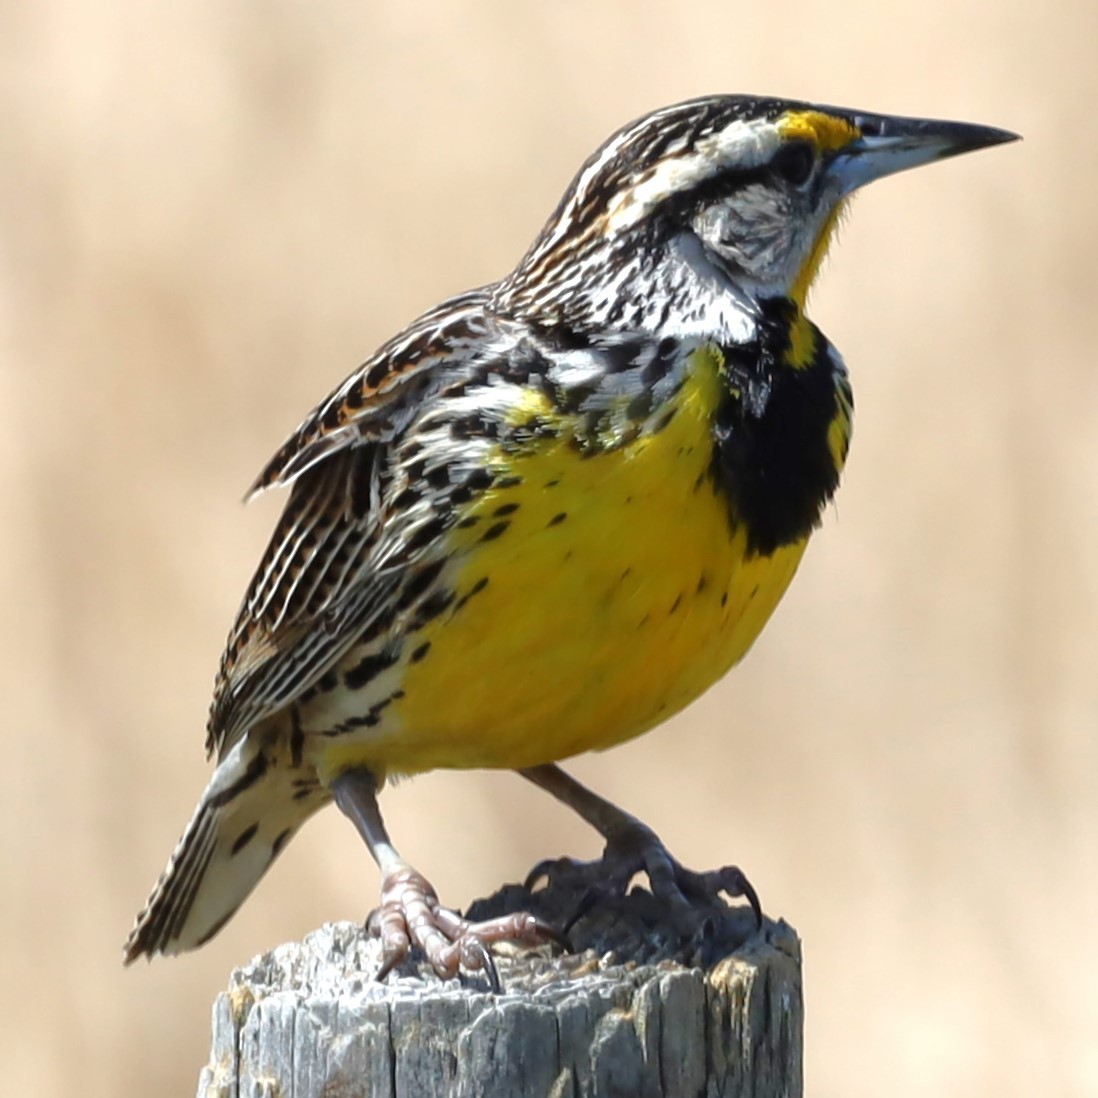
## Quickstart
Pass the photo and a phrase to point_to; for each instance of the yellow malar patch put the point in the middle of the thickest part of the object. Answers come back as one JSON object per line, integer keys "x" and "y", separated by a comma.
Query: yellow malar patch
{"x": 595, "y": 596}
{"x": 811, "y": 266}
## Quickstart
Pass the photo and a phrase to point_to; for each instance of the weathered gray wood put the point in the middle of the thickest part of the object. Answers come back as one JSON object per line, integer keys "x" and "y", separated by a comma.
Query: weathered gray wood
{"x": 644, "y": 1009}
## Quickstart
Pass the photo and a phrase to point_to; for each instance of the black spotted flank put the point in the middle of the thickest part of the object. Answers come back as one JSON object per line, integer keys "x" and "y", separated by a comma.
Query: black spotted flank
{"x": 280, "y": 842}
{"x": 418, "y": 583}
{"x": 480, "y": 479}
{"x": 368, "y": 669}
{"x": 557, "y": 519}
{"x": 431, "y": 608}
{"x": 475, "y": 483}
{"x": 243, "y": 839}
{"x": 420, "y": 652}
{"x": 505, "y": 509}
{"x": 494, "y": 531}
{"x": 370, "y": 719}
{"x": 252, "y": 773}
{"x": 474, "y": 590}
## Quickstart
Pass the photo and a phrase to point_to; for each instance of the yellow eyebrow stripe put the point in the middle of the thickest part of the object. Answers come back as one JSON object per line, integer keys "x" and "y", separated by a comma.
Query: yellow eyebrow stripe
{"x": 825, "y": 131}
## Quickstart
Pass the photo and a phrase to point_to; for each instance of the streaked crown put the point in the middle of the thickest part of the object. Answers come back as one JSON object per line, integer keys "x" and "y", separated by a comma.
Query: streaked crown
{"x": 731, "y": 192}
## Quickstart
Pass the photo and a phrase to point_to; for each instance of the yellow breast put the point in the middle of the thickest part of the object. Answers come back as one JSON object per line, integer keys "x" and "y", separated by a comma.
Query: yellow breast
{"x": 596, "y": 596}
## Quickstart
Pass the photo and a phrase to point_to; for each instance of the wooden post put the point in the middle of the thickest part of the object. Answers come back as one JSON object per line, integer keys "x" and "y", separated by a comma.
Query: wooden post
{"x": 642, "y": 1009}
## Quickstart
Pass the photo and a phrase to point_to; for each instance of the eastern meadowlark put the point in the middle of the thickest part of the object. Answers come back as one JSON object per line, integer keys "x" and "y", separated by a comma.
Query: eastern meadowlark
{"x": 548, "y": 514}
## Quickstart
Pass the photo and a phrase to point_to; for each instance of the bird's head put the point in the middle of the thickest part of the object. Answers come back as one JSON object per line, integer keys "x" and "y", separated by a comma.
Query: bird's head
{"x": 725, "y": 194}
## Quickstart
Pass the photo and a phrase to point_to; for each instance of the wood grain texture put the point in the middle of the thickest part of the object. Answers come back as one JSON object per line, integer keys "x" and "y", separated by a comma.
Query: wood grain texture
{"x": 644, "y": 1008}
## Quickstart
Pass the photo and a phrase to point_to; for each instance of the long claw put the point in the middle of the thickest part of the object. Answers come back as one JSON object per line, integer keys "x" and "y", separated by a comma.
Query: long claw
{"x": 558, "y": 937}
{"x": 546, "y": 868}
{"x": 637, "y": 849}
{"x": 389, "y": 961}
{"x": 535, "y": 876}
{"x": 476, "y": 955}
{"x": 735, "y": 883}
{"x": 410, "y": 915}
{"x": 752, "y": 898}
{"x": 587, "y": 901}
{"x": 730, "y": 879}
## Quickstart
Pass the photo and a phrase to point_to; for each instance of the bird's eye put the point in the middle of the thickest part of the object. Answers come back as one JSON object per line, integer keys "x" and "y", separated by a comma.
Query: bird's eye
{"x": 794, "y": 162}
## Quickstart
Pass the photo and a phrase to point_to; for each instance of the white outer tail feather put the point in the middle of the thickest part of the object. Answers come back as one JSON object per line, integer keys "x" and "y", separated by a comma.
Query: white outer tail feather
{"x": 246, "y": 816}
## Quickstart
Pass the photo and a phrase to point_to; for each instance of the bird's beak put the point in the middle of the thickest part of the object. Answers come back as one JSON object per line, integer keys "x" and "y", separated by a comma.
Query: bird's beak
{"x": 888, "y": 144}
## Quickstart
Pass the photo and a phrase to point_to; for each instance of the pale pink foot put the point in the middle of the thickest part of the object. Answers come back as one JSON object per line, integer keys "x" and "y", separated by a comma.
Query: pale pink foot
{"x": 411, "y": 915}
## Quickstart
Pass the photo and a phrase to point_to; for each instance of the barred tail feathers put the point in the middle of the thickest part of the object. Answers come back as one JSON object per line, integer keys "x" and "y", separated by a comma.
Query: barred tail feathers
{"x": 246, "y": 816}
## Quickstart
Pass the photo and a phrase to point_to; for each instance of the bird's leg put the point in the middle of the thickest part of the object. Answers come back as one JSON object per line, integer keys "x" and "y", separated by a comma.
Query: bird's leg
{"x": 631, "y": 847}
{"x": 409, "y": 913}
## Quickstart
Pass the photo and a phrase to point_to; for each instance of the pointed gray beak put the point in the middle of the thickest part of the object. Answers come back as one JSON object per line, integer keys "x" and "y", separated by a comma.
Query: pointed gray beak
{"x": 889, "y": 144}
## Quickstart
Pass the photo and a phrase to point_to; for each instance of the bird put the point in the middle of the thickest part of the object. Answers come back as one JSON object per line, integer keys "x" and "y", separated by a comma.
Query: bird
{"x": 546, "y": 516}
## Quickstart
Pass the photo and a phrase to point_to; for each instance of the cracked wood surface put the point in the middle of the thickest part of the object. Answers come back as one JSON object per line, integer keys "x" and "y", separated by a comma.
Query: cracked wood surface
{"x": 643, "y": 1009}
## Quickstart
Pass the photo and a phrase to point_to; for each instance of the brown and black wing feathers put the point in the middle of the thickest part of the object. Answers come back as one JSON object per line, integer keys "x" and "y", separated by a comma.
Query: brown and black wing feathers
{"x": 317, "y": 587}
{"x": 377, "y": 400}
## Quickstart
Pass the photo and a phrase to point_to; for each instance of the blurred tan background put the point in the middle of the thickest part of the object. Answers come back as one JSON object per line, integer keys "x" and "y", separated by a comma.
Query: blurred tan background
{"x": 211, "y": 211}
